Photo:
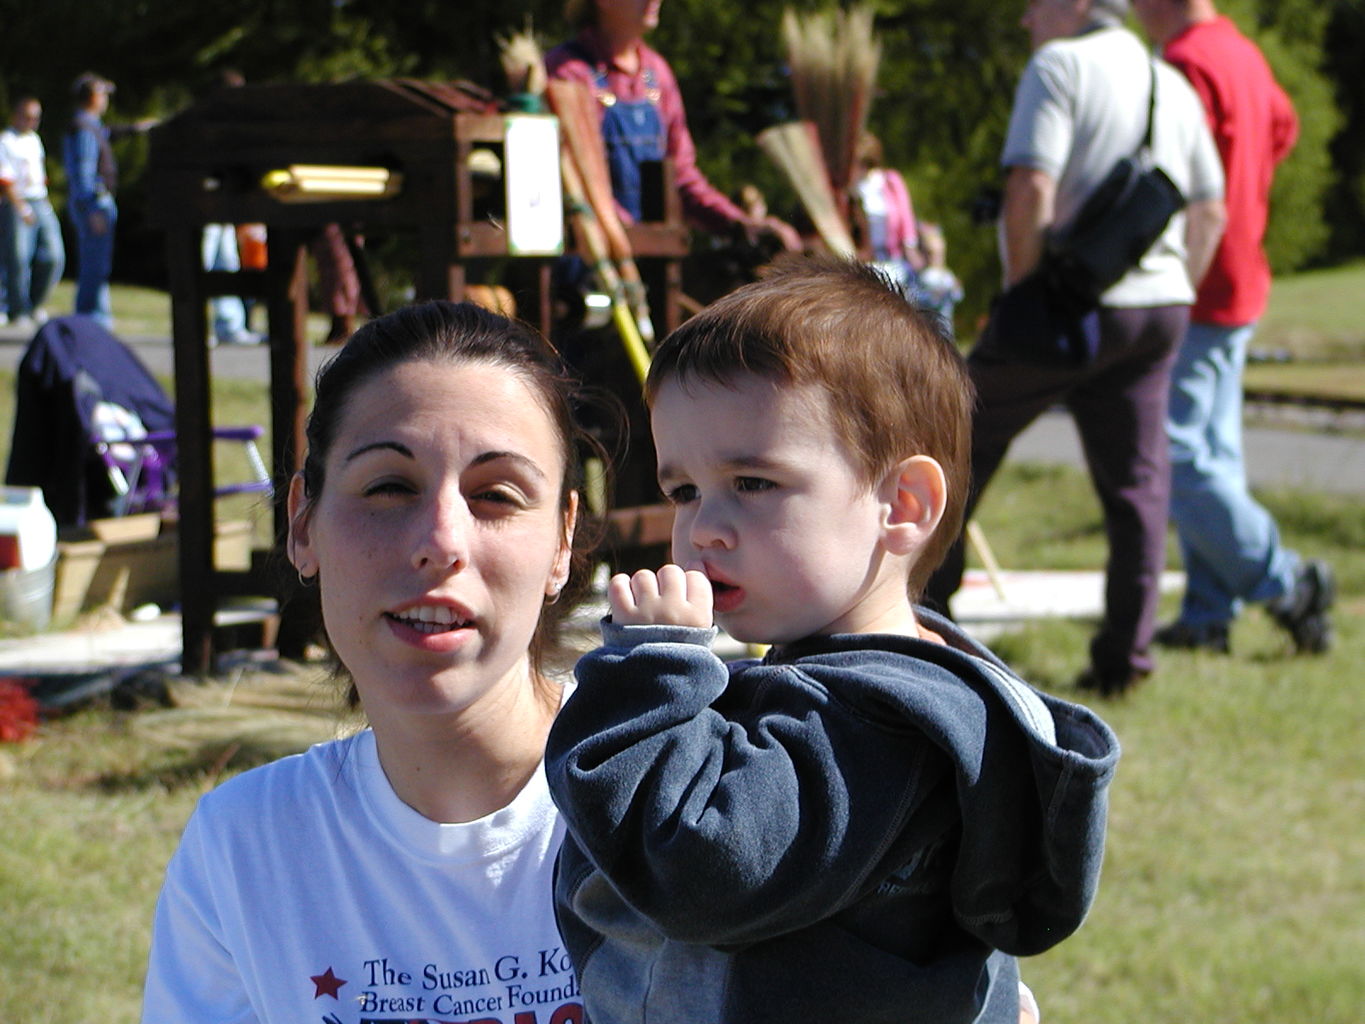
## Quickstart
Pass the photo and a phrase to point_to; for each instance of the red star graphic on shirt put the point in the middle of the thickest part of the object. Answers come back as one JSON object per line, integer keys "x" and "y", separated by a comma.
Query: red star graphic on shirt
{"x": 327, "y": 984}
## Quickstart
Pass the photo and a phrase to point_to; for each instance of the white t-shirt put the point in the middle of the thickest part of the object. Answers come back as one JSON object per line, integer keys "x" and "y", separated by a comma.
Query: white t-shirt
{"x": 1080, "y": 107}
{"x": 306, "y": 892}
{"x": 871, "y": 189}
{"x": 22, "y": 161}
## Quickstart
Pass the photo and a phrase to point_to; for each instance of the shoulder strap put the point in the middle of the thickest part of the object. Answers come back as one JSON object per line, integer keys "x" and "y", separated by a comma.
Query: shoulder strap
{"x": 1151, "y": 107}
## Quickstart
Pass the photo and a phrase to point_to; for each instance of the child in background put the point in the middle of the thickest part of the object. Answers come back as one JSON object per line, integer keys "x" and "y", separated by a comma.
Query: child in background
{"x": 886, "y": 216}
{"x": 874, "y": 820}
{"x": 937, "y": 287}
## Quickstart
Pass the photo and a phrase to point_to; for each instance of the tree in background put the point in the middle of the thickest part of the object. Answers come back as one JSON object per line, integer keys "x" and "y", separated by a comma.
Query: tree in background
{"x": 1345, "y": 56}
{"x": 1291, "y": 34}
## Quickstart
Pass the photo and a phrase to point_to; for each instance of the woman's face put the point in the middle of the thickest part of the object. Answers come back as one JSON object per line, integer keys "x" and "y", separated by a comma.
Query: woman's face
{"x": 438, "y": 535}
{"x": 633, "y": 16}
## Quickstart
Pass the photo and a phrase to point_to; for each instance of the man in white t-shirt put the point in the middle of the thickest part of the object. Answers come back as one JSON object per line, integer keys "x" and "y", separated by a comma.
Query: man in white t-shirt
{"x": 31, "y": 252}
{"x": 1082, "y": 105}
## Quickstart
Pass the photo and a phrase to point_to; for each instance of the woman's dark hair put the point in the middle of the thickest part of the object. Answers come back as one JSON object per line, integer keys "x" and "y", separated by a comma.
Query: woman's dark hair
{"x": 450, "y": 332}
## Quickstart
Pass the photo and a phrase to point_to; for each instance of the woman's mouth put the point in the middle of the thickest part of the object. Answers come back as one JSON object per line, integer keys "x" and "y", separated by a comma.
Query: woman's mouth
{"x": 429, "y": 618}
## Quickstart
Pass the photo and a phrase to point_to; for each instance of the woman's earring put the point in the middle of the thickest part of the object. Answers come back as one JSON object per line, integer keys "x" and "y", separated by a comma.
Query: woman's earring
{"x": 306, "y": 581}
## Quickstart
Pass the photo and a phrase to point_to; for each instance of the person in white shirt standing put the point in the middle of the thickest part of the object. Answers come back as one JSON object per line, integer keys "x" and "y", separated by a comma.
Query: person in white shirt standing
{"x": 31, "y": 254}
{"x": 1081, "y": 105}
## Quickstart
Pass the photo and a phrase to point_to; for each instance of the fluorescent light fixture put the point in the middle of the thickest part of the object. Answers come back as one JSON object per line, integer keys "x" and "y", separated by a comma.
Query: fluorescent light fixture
{"x": 317, "y": 182}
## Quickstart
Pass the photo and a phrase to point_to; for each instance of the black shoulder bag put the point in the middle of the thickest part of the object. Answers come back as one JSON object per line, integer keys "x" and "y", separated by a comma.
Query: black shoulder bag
{"x": 1048, "y": 316}
{"x": 1118, "y": 222}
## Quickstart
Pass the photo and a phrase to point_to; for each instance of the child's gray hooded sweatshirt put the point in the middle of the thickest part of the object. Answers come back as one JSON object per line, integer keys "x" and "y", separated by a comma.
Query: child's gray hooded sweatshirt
{"x": 858, "y": 828}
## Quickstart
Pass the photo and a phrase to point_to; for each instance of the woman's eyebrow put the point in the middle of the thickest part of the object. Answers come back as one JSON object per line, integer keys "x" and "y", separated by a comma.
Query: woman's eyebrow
{"x": 395, "y": 446}
{"x": 482, "y": 459}
{"x": 529, "y": 464}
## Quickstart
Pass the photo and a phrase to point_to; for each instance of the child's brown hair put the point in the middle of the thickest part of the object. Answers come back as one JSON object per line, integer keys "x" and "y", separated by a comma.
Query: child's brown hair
{"x": 897, "y": 384}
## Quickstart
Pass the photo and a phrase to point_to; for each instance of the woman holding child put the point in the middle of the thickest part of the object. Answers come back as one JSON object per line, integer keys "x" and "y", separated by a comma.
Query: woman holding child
{"x": 784, "y": 841}
{"x": 405, "y": 872}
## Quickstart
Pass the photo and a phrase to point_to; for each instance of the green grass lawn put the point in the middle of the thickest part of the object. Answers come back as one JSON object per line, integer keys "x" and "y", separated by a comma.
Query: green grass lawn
{"x": 1321, "y": 379}
{"x": 141, "y": 312}
{"x": 1316, "y": 315}
{"x": 1314, "y": 318}
{"x": 138, "y": 312}
{"x": 1235, "y": 875}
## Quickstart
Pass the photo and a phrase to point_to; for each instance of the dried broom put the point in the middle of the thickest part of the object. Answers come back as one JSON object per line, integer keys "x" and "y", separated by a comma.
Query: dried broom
{"x": 587, "y": 187}
{"x": 576, "y": 108}
{"x": 793, "y": 147}
{"x": 833, "y": 57}
{"x": 522, "y": 62}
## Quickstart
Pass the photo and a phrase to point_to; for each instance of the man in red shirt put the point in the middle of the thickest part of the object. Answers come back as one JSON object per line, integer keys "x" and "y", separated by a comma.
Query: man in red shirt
{"x": 1230, "y": 544}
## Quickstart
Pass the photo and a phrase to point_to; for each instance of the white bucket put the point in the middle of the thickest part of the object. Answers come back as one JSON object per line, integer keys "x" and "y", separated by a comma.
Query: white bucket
{"x": 26, "y": 596}
{"x": 28, "y": 533}
{"x": 28, "y": 558}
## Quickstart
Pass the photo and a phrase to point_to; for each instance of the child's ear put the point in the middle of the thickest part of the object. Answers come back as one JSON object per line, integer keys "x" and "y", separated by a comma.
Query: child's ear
{"x": 915, "y": 492}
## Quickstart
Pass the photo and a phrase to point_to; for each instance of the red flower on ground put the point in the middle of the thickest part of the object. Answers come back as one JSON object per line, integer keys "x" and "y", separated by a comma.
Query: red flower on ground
{"x": 18, "y": 711}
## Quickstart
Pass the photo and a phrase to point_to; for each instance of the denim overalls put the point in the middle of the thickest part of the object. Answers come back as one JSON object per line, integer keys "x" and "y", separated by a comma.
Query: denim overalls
{"x": 634, "y": 133}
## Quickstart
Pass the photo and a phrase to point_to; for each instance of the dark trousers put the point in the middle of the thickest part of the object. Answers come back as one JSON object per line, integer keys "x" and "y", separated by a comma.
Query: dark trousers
{"x": 1118, "y": 401}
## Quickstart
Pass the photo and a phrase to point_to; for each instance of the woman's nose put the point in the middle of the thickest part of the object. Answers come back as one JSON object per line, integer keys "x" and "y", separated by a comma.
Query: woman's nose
{"x": 443, "y": 539}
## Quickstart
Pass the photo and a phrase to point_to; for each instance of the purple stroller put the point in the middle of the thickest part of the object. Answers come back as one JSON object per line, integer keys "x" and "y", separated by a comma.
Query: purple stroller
{"x": 96, "y": 431}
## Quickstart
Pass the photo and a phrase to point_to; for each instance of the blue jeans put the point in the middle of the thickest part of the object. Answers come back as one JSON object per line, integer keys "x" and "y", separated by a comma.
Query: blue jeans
{"x": 95, "y": 258}
{"x": 219, "y": 251}
{"x": 31, "y": 255}
{"x": 1229, "y": 543}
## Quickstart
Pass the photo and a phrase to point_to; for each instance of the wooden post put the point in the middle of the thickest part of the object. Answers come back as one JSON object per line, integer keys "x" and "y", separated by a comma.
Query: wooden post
{"x": 287, "y": 310}
{"x": 194, "y": 449}
{"x": 287, "y": 263}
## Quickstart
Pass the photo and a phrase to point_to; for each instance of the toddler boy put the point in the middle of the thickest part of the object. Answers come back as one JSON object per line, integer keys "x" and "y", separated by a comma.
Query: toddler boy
{"x": 871, "y": 822}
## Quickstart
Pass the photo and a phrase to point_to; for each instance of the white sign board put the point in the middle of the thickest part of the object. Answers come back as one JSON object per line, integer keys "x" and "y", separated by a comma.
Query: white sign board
{"x": 535, "y": 200}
